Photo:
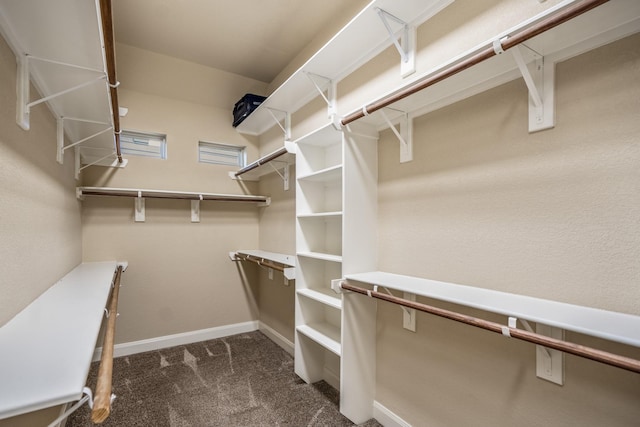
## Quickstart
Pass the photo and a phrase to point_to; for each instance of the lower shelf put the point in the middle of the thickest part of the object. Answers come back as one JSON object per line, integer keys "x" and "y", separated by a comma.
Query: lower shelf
{"x": 329, "y": 297}
{"x": 324, "y": 334}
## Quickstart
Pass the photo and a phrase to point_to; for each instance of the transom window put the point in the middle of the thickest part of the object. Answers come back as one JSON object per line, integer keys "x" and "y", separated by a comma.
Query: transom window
{"x": 143, "y": 144}
{"x": 221, "y": 154}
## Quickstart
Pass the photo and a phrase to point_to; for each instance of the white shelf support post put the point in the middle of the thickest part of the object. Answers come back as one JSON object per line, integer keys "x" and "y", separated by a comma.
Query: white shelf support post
{"x": 22, "y": 92}
{"x": 195, "y": 210}
{"x": 405, "y": 135}
{"x": 330, "y": 98}
{"x": 406, "y": 46}
{"x": 549, "y": 362}
{"x": 539, "y": 77}
{"x": 286, "y": 128}
{"x": 139, "y": 208}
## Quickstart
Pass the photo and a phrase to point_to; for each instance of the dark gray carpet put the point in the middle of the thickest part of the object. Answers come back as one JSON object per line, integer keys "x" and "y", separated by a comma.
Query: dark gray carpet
{"x": 241, "y": 380}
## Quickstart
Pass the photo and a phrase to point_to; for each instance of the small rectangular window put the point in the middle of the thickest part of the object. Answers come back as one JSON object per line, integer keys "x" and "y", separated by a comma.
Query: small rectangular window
{"x": 143, "y": 144}
{"x": 221, "y": 154}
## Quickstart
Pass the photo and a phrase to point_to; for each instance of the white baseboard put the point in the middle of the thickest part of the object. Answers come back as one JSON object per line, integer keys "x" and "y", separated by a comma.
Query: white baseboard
{"x": 277, "y": 338}
{"x": 151, "y": 344}
{"x": 387, "y": 418}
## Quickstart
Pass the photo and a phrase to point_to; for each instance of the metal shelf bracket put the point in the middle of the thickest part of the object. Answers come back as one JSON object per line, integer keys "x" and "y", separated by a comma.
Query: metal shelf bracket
{"x": 23, "y": 82}
{"x": 286, "y": 128}
{"x": 60, "y": 132}
{"x": 405, "y": 135}
{"x": 539, "y": 76}
{"x": 405, "y": 43}
{"x": 330, "y": 87}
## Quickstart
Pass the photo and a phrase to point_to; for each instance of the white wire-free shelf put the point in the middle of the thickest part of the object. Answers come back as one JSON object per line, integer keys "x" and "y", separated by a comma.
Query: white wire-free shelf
{"x": 59, "y": 45}
{"x": 614, "y": 326}
{"x": 360, "y": 40}
{"x": 325, "y": 334}
{"x": 47, "y": 348}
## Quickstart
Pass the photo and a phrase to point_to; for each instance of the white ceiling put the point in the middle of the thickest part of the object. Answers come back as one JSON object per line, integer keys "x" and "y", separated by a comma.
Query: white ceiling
{"x": 252, "y": 38}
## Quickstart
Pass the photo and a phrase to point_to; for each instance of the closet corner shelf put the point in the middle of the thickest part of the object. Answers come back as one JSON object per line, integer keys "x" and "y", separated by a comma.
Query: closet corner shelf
{"x": 51, "y": 366}
{"x": 274, "y": 260}
{"x": 360, "y": 40}
{"x": 324, "y": 334}
{"x": 609, "y": 325}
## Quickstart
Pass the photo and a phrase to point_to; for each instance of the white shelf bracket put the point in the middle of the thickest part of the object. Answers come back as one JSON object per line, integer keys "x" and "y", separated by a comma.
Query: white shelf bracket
{"x": 405, "y": 135}
{"x": 405, "y": 43}
{"x": 409, "y": 315}
{"x": 286, "y": 128}
{"x": 549, "y": 362}
{"x": 539, "y": 77}
{"x": 285, "y": 173}
{"x": 60, "y": 134}
{"x": 22, "y": 92}
{"x": 330, "y": 98}
{"x": 139, "y": 208}
{"x": 195, "y": 210}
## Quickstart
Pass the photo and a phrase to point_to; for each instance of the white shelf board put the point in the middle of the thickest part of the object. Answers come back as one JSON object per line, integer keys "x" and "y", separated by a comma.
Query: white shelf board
{"x": 327, "y": 297}
{"x": 321, "y": 256}
{"x": 322, "y": 137}
{"x": 70, "y": 32}
{"x": 604, "y": 24}
{"x": 328, "y": 336}
{"x": 335, "y": 214}
{"x": 333, "y": 173}
{"x": 619, "y": 327}
{"x": 47, "y": 348}
{"x": 289, "y": 260}
{"x": 360, "y": 40}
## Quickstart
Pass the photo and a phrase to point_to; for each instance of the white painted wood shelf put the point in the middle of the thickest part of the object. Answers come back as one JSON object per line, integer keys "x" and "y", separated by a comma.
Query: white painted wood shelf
{"x": 325, "y": 296}
{"x": 618, "y": 327}
{"x": 287, "y": 262}
{"x": 604, "y": 24}
{"x": 321, "y": 256}
{"x": 47, "y": 348}
{"x": 360, "y": 40}
{"x": 61, "y": 44}
{"x": 325, "y": 334}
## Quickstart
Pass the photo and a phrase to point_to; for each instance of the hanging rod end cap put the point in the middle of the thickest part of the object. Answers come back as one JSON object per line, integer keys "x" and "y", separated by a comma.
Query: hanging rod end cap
{"x": 336, "y": 285}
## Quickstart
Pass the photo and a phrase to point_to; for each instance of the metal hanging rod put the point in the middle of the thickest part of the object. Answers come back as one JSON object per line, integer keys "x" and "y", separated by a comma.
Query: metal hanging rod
{"x": 486, "y": 53}
{"x": 616, "y": 360}
{"x": 167, "y": 194}
{"x": 261, "y": 161}
{"x": 103, "y": 397}
{"x": 110, "y": 57}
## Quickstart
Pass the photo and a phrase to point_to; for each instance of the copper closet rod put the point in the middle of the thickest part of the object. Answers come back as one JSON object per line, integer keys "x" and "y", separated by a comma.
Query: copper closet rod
{"x": 102, "y": 401}
{"x": 513, "y": 40}
{"x": 110, "y": 53}
{"x": 266, "y": 159}
{"x": 616, "y": 360}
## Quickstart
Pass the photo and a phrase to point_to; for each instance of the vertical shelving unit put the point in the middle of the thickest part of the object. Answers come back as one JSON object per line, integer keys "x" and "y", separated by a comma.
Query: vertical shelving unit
{"x": 336, "y": 199}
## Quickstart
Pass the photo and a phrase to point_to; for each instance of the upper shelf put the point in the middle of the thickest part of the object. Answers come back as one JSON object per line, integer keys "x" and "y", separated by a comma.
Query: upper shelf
{"x": 360, "y": 40}
{"x": 59, "y": 47}
{"x": 619, "y": 327}
{"x": 603, "y": 24}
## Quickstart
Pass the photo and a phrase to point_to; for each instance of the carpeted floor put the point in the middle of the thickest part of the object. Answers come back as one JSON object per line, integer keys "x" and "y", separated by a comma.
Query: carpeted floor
{"x": 241, "y": 380}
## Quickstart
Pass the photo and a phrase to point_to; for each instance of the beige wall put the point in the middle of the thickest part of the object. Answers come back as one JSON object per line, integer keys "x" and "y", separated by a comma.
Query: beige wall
{"x": 277, "y": 234}
{"x": 180, "y": 277}
{"x": 39, "y": 214}
{"x": 551, "y": 214}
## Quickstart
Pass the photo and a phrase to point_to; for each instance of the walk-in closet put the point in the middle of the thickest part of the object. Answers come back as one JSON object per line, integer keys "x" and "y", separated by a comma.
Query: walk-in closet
{"x": 320, "y": 213}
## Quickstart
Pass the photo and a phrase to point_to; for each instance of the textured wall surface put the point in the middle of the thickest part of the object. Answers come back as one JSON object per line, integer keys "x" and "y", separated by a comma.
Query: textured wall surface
{"x": 40, "y": 234}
